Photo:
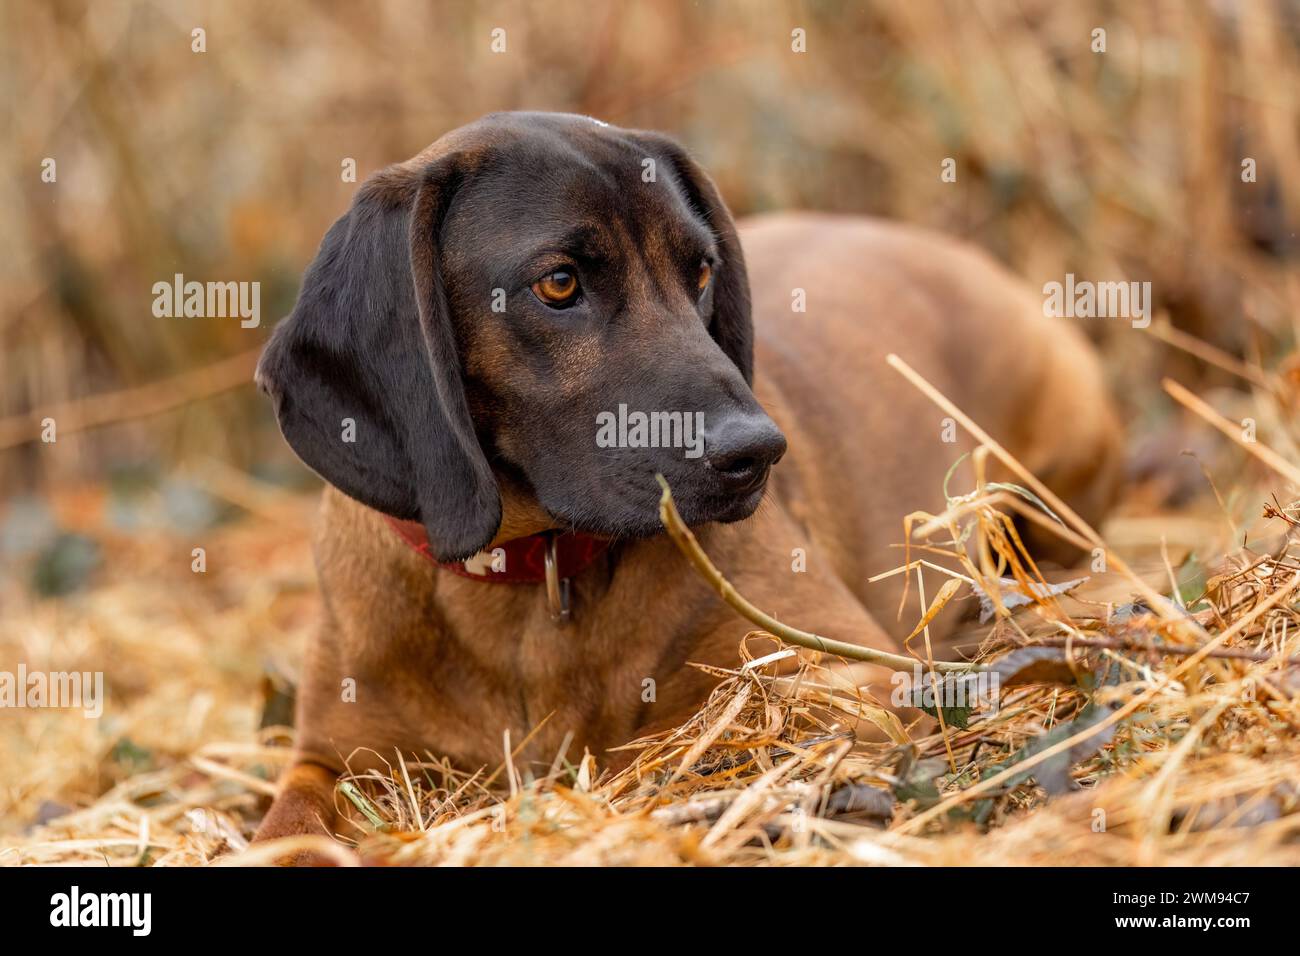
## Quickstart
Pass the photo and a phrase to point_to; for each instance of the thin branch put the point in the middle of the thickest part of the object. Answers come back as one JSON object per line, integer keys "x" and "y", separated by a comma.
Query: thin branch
{"x": 919, "y": 821}
{"x": 1211, "y": 355}
{"x": 132, "y": 403}
{"x": 689, "y": 546}
{"x": 1159, "y": 647}
{"x": 1261, "y": 451}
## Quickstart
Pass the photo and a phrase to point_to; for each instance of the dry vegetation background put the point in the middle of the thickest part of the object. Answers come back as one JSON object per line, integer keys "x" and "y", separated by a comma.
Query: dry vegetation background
{"x": 225, "y": 165}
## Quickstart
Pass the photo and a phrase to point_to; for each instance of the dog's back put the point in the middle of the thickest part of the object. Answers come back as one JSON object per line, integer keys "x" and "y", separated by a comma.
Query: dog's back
{"x": 833, "y": 295}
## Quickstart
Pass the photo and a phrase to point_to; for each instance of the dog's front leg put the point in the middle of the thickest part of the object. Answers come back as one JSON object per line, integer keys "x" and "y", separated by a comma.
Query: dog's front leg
{"x": 304, "y": 806}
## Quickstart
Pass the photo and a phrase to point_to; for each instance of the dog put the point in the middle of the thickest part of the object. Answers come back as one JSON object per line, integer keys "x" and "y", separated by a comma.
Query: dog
{"x": 490, "y": 571}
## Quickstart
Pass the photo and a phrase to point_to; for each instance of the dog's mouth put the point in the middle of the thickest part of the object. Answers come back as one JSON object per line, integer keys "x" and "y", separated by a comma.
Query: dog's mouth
{"x": 638, "y": 516}
{"x": 735, "y": 506}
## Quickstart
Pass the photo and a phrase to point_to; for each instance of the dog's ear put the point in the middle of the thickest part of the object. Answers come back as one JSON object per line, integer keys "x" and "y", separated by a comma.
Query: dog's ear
{"x": 365, "y": 372}
{"x": 733, "y": 326}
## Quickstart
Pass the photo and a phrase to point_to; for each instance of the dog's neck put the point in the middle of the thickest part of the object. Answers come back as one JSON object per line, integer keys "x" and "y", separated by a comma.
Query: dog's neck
{"x": 520, "y": 560}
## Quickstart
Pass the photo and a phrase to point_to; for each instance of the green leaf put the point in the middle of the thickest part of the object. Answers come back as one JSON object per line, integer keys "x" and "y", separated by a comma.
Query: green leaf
{"x": 1053, "y": 775}
{"x": 954, "y": 695}
{"x": 1027, "y": 495}
{"x": 916, "y": 779}
{"x": 131, "y": 756}
{"x": 66, "y": 565}
{"x": 1192, "y": 579}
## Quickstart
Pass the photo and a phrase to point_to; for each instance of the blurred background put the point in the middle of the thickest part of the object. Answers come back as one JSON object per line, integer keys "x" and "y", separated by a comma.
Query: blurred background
{"x": 226, "y": 165}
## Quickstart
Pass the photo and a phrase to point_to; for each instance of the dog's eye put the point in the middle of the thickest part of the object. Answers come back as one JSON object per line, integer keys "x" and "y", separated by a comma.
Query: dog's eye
{"x": 559, "y": 289}
{"x": 706, "y": 273}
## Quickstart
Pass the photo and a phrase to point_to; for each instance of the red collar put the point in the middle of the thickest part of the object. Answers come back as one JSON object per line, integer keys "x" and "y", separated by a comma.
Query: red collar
{"x": 521, "y": 561}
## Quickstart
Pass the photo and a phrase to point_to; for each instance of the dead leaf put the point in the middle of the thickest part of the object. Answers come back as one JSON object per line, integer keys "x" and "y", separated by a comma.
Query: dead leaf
{"x": 1033, "y": 665}
{"x": 1014, "y": 597}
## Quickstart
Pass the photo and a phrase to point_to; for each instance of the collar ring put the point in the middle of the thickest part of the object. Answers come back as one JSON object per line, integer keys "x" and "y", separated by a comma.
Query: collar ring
{"x": 557, "y": 588}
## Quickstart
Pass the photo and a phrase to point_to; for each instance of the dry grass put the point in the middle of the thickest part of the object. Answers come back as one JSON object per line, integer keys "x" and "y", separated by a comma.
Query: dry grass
{"x": 1148, "y": 738}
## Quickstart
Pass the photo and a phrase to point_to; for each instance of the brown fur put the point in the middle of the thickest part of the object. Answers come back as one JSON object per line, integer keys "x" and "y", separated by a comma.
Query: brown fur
{"x": 446, "y": 665}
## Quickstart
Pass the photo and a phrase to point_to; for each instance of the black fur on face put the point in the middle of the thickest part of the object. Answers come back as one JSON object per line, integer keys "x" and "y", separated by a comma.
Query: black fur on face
{"x": 421, "y": 323}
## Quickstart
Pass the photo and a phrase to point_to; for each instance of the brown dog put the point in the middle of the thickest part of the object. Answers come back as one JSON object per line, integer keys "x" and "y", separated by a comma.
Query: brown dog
{"x": 460, "y": 348}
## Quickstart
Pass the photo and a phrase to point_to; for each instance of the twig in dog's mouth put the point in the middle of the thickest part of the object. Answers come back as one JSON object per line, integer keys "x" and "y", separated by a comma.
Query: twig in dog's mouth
{"x": 689, "y": 546}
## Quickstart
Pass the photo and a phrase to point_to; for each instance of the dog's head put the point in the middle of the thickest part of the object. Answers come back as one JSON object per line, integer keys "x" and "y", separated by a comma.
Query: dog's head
{"x": 481, "y": 313}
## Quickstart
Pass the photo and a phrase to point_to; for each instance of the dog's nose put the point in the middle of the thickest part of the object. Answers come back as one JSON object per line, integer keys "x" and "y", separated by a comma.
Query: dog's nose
{"x": 742, "y": 449}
